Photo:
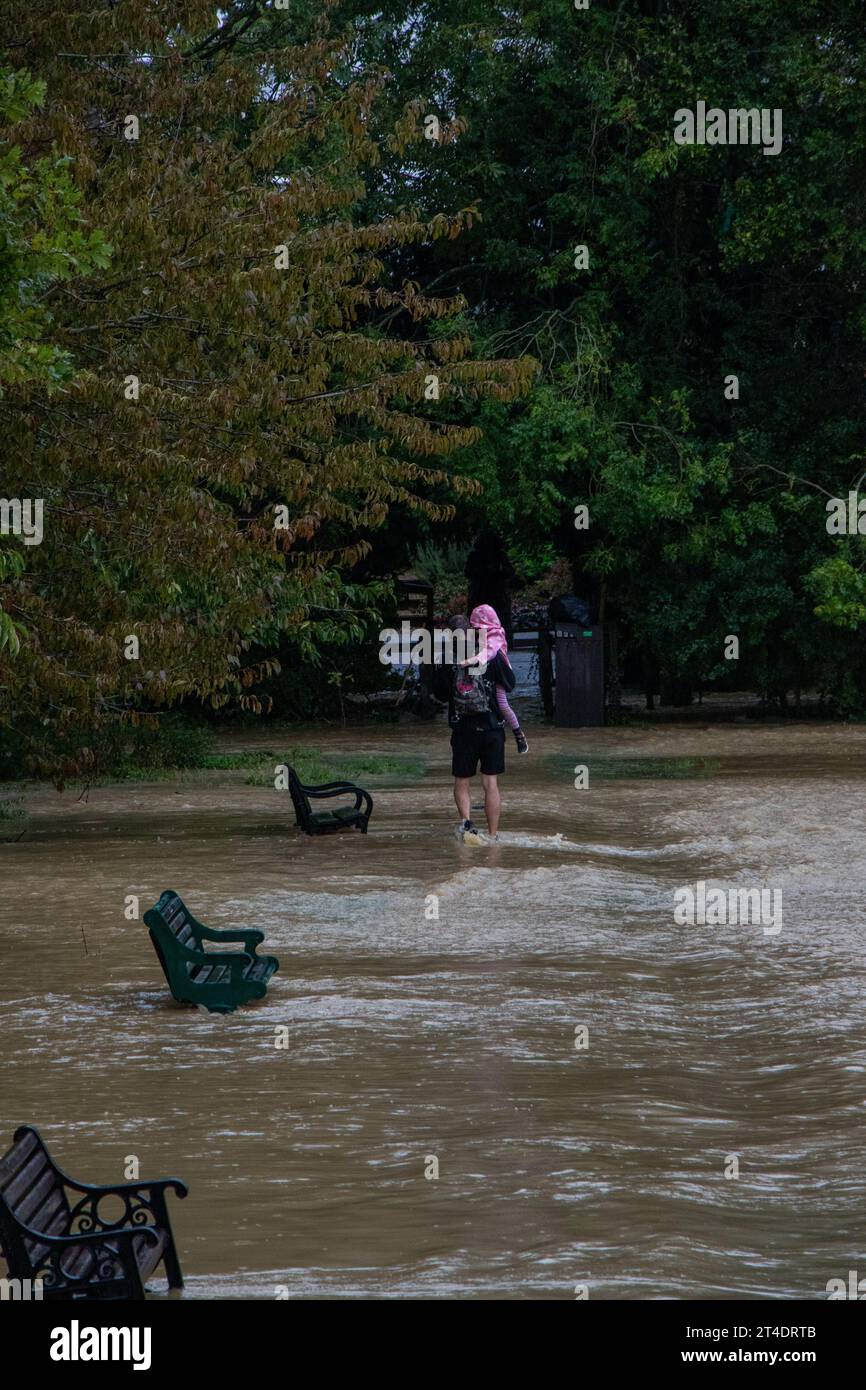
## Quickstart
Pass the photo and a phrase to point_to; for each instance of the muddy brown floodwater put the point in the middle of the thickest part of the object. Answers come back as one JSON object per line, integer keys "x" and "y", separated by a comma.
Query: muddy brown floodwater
{"x": 412, "y": 1037}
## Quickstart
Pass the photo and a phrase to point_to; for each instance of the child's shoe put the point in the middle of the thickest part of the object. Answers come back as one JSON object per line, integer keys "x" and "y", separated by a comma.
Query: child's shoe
{"x": 520, "y": 740}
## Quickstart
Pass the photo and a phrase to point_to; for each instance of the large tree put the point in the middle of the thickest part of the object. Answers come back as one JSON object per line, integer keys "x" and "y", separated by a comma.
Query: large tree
{"x": 707, "y": 513}
{"x": 253, "y": 393}
{"x": 42, "y": 241}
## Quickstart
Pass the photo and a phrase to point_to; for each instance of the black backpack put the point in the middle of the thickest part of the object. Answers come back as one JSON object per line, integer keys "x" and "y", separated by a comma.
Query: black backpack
{"x": 471, "y": 694}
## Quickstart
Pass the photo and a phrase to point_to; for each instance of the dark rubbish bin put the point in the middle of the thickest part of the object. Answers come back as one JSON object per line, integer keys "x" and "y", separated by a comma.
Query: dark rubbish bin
{"x": 579, "y": 691}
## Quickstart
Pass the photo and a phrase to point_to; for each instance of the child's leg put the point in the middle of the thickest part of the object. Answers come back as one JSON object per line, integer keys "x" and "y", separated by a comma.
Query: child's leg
{"x": 505, "y": 709}
{"x": 511, "y": 720}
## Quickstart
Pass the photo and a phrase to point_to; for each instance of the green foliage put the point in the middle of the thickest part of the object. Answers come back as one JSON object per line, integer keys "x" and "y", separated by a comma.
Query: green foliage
{"x": 151, "y": 747}
{"x": 313, "y": 680}
{"x": 314, "y": 765}
{"x": 247, "y": 406}
{"x": 444, "y": 567}
{"x": 317, "y": 766}
{"x": 10, "y": 634}
{"x": 155, "y": 744}
{"x": 43, "y": 241}
{"x": 13, "y": 818}
{"x": 840, "y": 591}
{"x": 306, "y": 387}
{"x": 706, "y": 513}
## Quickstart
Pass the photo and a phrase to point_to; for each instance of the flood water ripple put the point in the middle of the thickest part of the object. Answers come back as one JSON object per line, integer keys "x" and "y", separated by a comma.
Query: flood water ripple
{"x": 413, "y": 1037}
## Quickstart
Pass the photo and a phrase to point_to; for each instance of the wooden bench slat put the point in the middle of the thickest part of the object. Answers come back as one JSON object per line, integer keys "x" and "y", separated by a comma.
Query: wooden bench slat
{"x": 26, "y": 1177}
{"x": 41, "y": 1199}
{"x": 80, "y": 1261}
{"x": 14, "y": 1159}
{"x": 148, "y": 1256}
{"x": 57, "y": 1226}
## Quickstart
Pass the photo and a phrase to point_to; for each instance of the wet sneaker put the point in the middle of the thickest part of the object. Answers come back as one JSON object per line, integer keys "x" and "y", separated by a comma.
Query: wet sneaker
{"x": 467, "y": 833}
{"x": 520, "y": 739}
{"x": 480, "y": 837}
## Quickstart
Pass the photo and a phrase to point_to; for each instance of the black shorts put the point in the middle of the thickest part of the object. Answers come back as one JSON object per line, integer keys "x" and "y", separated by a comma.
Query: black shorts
{"x": 469, "y": 746}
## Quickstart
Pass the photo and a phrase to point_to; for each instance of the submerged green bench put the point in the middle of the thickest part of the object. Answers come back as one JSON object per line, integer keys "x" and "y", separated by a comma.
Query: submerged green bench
{"x": 220, "y": 980}
{"x": 54, "y": 1231}
{"x": 323, "y": 822}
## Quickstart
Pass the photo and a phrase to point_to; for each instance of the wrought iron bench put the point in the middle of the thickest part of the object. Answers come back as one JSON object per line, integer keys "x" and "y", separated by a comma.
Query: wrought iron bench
{"x": 69, "y": 1243}
{"x": 220, "y": 980}
{"x": 340, "y": 818}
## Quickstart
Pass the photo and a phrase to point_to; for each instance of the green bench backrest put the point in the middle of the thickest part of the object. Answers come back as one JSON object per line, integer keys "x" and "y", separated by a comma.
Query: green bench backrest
{"x": 303, "y": 814}
{"x": 176, "y": 918}
{"x": 170, "y": 921}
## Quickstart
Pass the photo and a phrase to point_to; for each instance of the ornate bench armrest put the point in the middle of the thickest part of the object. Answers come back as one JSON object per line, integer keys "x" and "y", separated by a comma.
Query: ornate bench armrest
{"x": 88, "y": 1236}
{"x": 120, "y": 1187}
{"x": 112, "y": 1251}
{"x": 140, "y": 1199}
{"x": 109, "y": 1236}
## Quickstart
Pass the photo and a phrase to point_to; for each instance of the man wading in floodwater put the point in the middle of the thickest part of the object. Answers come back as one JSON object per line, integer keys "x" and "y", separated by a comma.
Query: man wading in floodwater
{"x": 477, "y": 709}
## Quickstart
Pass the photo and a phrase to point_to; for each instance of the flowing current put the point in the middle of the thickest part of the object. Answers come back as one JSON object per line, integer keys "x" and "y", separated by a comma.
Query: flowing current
{"x": 586, "y": 1074}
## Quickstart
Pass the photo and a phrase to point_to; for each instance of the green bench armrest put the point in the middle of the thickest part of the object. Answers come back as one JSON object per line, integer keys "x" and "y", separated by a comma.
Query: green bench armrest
{"x": 248, "y": 935}
{"x": 338, "y": 788}
{"x": 198, "y": 956}
{"x": 333, "y": 789}
{"x": 329, "y": 788}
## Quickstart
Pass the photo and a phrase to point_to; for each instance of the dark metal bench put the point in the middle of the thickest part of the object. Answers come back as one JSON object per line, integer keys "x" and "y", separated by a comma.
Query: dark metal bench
{"x": 50, "y": 1234}
{"x": 220, "y": 980}
{"x": 340, "y": 818}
